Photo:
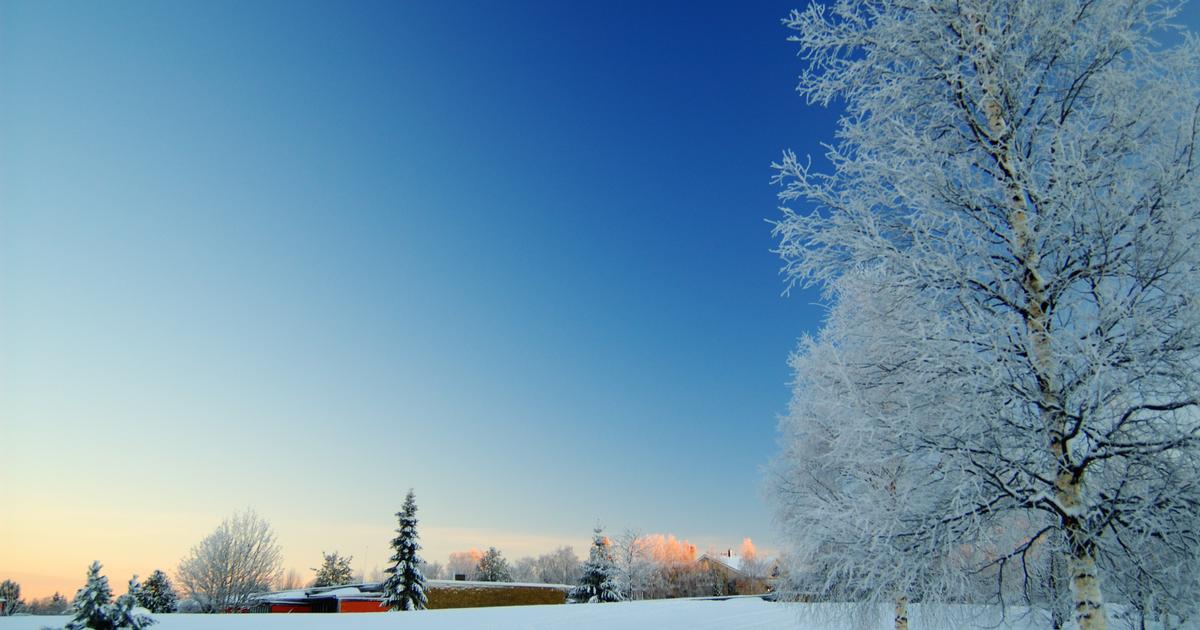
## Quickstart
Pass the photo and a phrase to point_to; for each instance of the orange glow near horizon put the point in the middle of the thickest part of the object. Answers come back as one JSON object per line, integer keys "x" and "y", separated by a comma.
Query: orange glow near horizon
{"x": 748, "y": 550}
{"x": 667, "y": 549}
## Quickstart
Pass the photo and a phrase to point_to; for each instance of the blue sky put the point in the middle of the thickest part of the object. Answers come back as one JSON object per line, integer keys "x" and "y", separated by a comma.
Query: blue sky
{"x": 304, "y": 256}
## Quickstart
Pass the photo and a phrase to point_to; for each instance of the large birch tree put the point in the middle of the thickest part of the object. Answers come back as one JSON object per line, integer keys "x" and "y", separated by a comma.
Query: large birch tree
{"x": 1023, "y": 173}
{"x": 240, "y": 558}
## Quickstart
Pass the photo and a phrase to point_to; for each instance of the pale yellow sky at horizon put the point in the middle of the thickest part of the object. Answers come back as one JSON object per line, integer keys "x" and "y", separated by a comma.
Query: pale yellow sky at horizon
{"x": 127, "y": 544}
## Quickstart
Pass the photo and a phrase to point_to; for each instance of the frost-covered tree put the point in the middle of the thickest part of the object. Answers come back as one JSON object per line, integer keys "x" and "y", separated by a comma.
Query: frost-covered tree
{"x": 55, "y": 604}
{"x": 237, "y": 560}
{"x": 335, "y": 569}
{"x": 1024, "y": 174}
{"x": 600, "y": 581}
{"x": 10, "y": 598}
{"x": 560, "y": 566}
{"x": 157, "y": 595}
{"x": 634, "y": 564}
{"x": 94, "y": 608}
{"x": 751, "y": 564}
{"x": 405, "y": 587}
{"x": 865, "y": 504}
{"x": 291, "y": 580}
{"x": 523, "y": 570}
{"x": 493, "y": 567}
{"x": 464, "y": 563}
{"x": 432, "y": 570}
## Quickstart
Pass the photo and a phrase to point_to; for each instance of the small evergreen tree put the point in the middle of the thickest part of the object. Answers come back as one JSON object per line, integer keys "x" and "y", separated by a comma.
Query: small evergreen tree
{"x": 95, "y": 609}
{"x": 10, "y": 598}
{"x": 157, "y": 595}
{"x": 404, "y": 588}
{"x": 59, "y": 604}
{"x": 493, "y": 567}
{"x": 92, "y": 602}
{"x": 334, "y": 570}
{"x": 127, "y": 613}
{"x": 600, "y": 578}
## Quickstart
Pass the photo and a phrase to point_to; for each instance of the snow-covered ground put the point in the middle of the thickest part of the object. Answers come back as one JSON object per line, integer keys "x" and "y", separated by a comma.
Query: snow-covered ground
{"x": 734, "y": 614}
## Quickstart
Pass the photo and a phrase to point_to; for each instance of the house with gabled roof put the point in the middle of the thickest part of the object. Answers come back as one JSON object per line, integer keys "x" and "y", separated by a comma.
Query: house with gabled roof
{"x": 733, "y": 576}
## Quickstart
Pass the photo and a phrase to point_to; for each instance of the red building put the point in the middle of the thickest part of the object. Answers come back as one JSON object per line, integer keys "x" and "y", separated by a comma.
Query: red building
{"x": 441, "y": 593}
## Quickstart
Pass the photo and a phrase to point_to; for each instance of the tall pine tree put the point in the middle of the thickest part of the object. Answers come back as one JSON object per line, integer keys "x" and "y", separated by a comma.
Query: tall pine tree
{"x": 599, "y": 582}
{"x": 404, "y": 588}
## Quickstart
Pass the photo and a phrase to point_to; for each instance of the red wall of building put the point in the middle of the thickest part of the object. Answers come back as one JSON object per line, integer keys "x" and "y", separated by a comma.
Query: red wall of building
{"x": 290, "y": 608}
{"x": 356, "y": 605}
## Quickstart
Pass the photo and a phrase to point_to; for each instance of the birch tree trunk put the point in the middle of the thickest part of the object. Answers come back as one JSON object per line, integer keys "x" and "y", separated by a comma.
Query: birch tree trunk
{"x": 1087, "y": 602}
{"x": 901, "y": 613}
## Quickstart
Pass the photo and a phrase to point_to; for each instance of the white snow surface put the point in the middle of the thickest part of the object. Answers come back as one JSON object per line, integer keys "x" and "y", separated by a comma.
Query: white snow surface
{"x": 675, "y": 614}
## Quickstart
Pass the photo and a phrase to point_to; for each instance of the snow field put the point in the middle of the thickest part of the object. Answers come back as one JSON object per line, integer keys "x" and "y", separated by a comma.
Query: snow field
{"x": 677, "y": 614}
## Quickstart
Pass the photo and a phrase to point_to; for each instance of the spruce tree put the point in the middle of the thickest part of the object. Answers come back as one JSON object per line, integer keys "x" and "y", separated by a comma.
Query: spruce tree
{"x": 157, "y": 595}
{"x": 599, "y": 582}
{"x": 404, "y": 588}
{"x": 493, "y": 567}
{"x": 92, "y": 602}
{"x": 95, "y": 609}
{"x": 334, "y": 570}
{"x": 127, "y": 613}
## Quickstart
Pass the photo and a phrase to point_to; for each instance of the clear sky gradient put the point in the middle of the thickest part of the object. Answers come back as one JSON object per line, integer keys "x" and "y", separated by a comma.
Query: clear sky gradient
{"x": 303, "y": 256}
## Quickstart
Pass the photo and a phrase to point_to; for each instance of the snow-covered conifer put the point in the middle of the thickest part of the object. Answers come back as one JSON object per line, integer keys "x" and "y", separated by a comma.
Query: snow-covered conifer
{"x": 600, "y": 581}
{"x": 404, "y": 588}
{"x": 90, "y": 608}
{"x": 126, "y": 612}
{"x": 94, "y": 608}
{"x": 157, "y": 595}
{"x": 335, "y": 569}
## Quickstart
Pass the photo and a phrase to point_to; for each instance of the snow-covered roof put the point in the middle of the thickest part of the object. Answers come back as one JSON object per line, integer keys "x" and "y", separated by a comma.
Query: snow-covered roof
{"x": 375, "y": 590}
{"x": 292, "y": 594}
{"x": 347, "y": 591}
{"x": 736, "y": 563}
{"x": 477, "y": 584}
{"x": 733, "y": 562}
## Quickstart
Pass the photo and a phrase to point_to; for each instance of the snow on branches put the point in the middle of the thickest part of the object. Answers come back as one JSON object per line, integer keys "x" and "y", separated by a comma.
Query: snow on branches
{"x": 405, "y": 588}
{"x": 1008, "y": 377}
